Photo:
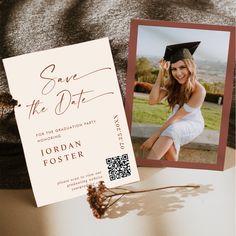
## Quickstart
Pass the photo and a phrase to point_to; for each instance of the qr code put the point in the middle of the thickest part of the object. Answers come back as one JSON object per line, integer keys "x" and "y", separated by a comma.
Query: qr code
{"x": 118, "y": 167}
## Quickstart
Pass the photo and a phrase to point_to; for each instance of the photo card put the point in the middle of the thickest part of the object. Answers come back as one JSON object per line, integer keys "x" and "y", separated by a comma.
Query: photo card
{"x": 179, "y": 93}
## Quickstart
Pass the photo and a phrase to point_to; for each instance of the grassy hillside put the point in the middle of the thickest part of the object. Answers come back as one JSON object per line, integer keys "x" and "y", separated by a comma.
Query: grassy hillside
{"x": 157, "y": 114}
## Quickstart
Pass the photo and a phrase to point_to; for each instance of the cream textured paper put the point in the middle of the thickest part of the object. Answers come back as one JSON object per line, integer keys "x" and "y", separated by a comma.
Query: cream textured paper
{"x": 71, "y": 118}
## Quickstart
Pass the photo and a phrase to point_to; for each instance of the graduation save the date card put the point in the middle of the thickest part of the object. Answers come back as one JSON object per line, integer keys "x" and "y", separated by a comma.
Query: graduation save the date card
{"x": 71, "y": 120}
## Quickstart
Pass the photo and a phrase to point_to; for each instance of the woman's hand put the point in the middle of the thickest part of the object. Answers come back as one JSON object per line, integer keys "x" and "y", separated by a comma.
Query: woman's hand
{"x": 147, "y": 145}
{"x": 164, "y": 65}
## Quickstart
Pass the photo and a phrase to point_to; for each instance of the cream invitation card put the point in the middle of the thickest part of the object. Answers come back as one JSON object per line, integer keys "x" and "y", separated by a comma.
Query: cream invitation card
{"x": 71, "y": 120}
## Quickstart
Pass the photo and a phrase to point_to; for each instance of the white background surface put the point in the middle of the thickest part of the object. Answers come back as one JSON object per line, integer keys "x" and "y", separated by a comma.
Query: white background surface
{"x": 207, "y": 211}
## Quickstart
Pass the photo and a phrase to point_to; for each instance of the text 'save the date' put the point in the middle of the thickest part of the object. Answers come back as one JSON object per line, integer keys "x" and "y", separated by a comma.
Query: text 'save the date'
{"x": 66, "y": 99}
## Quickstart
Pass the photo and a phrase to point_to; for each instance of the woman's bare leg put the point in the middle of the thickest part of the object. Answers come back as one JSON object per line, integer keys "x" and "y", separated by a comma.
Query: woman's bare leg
{"x": 171, "y": 154}
{"x": 164, "y": 145}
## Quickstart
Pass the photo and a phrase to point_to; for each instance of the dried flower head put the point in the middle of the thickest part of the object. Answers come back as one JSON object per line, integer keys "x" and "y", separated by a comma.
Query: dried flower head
{"x": 7, "y": 104}
{"x": 97, "y": 199}
{"x": 7, "y": 100}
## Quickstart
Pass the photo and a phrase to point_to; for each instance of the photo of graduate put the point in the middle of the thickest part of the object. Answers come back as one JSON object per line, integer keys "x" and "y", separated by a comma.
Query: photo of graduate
{"x": 184, "y": 94}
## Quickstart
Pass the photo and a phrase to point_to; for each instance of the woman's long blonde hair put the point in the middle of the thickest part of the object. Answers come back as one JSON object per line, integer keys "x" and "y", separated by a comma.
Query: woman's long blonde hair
{"x": 177, "y": 93}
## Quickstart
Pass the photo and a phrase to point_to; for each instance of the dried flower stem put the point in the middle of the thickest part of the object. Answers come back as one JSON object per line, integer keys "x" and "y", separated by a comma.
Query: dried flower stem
{"x": 151, "y": 190}
{"x": 100, "y": 197}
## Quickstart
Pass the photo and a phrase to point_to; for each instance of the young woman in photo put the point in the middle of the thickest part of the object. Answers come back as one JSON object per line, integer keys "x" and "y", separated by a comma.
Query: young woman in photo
{"x": 185, "y": 96}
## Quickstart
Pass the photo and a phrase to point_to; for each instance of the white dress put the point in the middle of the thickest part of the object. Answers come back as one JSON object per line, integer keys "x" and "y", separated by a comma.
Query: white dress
{"x": 186, "y": 129}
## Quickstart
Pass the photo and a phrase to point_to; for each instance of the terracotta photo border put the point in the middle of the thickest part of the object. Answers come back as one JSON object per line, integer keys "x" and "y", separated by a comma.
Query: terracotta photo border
{"x": 228, "y": 90}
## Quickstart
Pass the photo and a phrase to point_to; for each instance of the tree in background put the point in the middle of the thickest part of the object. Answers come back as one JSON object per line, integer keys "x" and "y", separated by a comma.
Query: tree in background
{"x": 145, "y": 72}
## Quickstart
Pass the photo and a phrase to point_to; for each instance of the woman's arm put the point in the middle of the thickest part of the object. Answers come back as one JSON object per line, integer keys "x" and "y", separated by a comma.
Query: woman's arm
{"x": 195, "y": 101}
{"x": 158, "y": 93}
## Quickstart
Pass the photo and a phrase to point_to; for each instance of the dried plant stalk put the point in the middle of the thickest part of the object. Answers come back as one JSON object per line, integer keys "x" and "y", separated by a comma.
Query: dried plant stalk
{"x": 100, "y": 197}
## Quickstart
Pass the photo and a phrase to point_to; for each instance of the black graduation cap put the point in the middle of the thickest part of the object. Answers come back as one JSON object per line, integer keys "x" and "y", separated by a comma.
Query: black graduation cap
{"x": 180, "y": 51}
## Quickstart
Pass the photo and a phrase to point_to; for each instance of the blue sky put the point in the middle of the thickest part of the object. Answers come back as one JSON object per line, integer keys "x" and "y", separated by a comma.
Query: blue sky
{"x": 152, "y": 41}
